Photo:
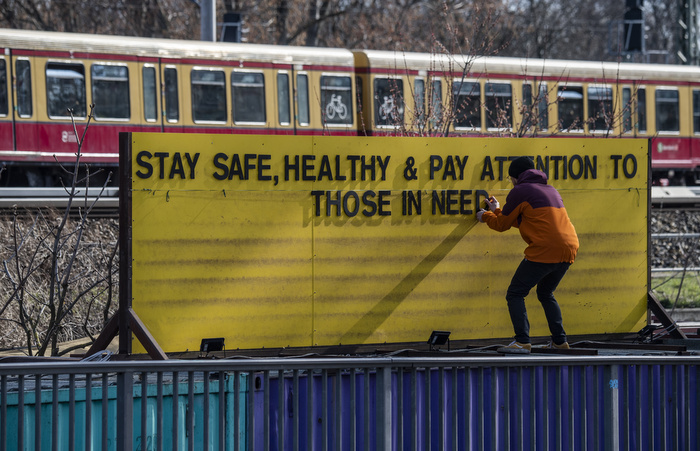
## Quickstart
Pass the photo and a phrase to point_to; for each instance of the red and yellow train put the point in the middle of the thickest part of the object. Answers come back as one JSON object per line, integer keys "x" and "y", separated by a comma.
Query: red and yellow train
{"x": 158, "y": 85}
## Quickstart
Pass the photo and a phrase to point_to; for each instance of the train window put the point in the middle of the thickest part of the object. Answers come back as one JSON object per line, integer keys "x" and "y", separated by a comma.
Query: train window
{"x": 172, "y": 100}
{"x": 626, "y": 110}
{"x": 388, "y": 101}
{"x": 435, "y": 103}
{"x": 110, "y": 91}
{"x": 599, "y": 108}
{"x": 467, "y": 100}
{"x": 570, "y": 101}
{"x": 24, "y": 88}
{"x": 419, "y": 100}
{"x": 208, "y": 95}
{"x": 283, "y": 98}
{"x": 65, "y": 89}
{"x": 336, "y": 100}
{"x": 4, "y": 108}
{"x": 248, "y": 91}
{"x": 527, "y": 109}
{"x": 667, "y": 110}
{"x": 499, "y": 100}
{"x": 642, "y": 110}
{"x": 535, "y": 111}
{"x": 150, "y": 96}
{"x": 696, "y": 111}
{"x": 303, "y": 99}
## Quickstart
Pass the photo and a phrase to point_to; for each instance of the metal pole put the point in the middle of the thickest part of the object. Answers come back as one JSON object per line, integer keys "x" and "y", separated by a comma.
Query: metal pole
{"x": 208, "y": 16}
{"x": 125, "y": 410}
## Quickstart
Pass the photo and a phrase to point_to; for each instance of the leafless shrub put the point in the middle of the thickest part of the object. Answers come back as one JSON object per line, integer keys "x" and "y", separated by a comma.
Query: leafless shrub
{"x": 58, "y": 270}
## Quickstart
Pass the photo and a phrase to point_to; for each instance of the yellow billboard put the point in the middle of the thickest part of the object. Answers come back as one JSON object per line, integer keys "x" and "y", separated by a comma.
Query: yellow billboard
{"x": 287, "y": 241}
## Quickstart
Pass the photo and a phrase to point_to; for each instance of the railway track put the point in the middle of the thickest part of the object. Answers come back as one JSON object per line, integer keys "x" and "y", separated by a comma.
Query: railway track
{"x": 107, "y": 202}
{"x": 666, "y": 197}
{"x": 104, "y": 203}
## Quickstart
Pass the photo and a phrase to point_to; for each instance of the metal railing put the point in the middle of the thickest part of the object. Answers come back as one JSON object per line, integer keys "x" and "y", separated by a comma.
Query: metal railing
{"x": 446, "y": 403}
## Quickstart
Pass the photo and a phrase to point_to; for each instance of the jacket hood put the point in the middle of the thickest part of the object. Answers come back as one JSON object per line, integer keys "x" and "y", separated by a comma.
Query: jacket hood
{"x": 533, "y": 176}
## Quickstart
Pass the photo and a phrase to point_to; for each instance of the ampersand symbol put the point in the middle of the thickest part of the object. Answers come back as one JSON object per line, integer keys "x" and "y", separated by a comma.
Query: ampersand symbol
{"x": 410, "y": 173}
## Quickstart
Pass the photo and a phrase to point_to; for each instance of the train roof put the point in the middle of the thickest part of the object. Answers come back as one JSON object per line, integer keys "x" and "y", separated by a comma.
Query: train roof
{"x": 531, "y": 67}
{"x": 171, "y": 48}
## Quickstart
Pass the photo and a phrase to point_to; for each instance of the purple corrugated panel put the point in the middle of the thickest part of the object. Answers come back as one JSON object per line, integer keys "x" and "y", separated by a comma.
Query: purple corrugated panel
{"x": 682, "y": 407}
{"x": 501, "y": 409}
{"x": 628, "y": 433}
{"x": 539, "y": 405}
{"x": 576, "y": 407}
{"x": 657, "y": 403}
{"x": 551, "y": 389}
{"x": 515, "y": 418}
{"x": 602, "y": 388}
{"x": 577, "y": 403}
{"x": 566, "y": 414}
{"x": 646, "y": 397}
{"x": 694, "y": 403}
{"x": 589, "y": 406}
{"x": 527, "y": 406}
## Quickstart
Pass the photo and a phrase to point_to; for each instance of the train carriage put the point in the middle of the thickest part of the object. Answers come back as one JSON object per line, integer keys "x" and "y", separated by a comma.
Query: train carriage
{"x": 143, "y": 84}
{"x": 433, "y": 95}
{"x": 157, "y": 85}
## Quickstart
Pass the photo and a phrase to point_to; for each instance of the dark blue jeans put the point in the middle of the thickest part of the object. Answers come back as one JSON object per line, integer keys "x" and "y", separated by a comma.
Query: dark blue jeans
{"x": 547, "y": 277}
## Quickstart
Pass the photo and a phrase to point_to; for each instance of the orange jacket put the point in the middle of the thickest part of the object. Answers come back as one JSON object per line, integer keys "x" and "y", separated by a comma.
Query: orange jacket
{"x": 537, "y": 210}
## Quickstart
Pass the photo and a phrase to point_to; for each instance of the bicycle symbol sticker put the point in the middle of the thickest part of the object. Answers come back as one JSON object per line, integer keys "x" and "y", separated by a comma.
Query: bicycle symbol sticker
{"x": 387, "y": 110}
{"x": 336, "y": 106}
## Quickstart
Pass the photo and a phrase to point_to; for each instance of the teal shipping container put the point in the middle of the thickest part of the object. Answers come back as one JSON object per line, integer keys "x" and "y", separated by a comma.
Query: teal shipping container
{"x": 192, "y": 404}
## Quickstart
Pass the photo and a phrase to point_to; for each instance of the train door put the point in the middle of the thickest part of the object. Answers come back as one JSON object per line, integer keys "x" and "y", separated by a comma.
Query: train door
{"x": 151, "y": 104}
{"x": 436, "y": 107}
{"x": 534, "y": 114}
{"x": 6, "y": 129}
{"x": 171, "y": 95}
{"x": 23, "y": 95}
{"x": 285, "y": 102}
{"x": 418, "y": 116}
{"x": 301, "y": 102}
{"x": 695, "y": 135}
{"x": 626, "y": 110}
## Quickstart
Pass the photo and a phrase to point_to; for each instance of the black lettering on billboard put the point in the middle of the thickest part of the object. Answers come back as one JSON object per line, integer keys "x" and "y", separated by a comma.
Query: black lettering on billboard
{"x": 464, "y": 201}
{"x": 219, "y": 165}
{"x": 576, "y": 162}
{"x": 161, "y": 156}
{"x": 307, "y": 165}
{"x": 487, "y": 169}
{"x": 294, "y": 167}
{"x": 435, "y": 165}
{"x": 409, "y": 201}
{"x": 629, "y": 158}
{"x": 176, "y": 167}
{"x": 142, "y": 160}
{"x": 616, "y": 163}
{"x": 367, "y": 199}
{"x": 263, "y": 167}
{"x": 356, "y": 203}
{"x": 480, "y": 193}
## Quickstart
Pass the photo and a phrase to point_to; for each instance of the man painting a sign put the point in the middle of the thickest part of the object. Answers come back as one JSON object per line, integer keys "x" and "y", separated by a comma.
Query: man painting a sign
{"x": 537, "y": 210}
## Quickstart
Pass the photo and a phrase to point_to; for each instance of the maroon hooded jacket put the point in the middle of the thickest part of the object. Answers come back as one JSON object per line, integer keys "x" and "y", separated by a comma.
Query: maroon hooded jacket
{"x": 536, "y": 209}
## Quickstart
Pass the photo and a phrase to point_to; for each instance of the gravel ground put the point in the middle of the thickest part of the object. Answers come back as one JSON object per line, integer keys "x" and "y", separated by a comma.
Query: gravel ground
{"x": 675, "y": 253}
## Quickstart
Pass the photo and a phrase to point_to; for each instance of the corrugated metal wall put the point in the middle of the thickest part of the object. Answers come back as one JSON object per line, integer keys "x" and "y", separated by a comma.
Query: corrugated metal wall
{"x": 572, "y": 406}
{"x": 492, "y": 403}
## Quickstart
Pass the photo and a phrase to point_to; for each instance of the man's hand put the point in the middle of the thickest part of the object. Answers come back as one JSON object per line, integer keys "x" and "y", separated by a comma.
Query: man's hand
{"x": 479, "y": 214}
{"x": 492, "y": 202}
